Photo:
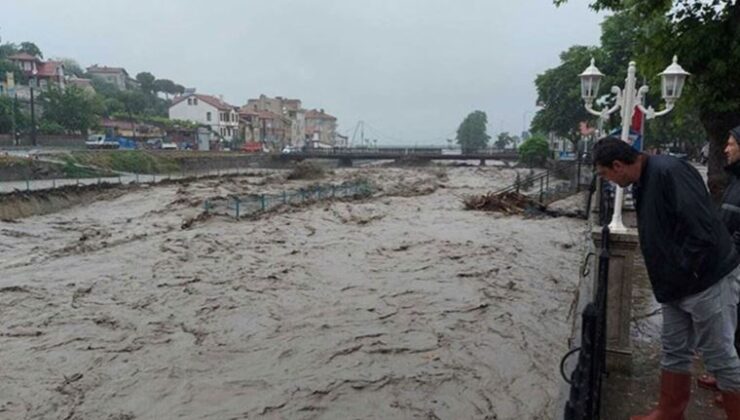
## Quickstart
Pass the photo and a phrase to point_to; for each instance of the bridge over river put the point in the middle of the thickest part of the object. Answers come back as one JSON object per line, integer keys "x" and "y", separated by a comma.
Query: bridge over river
{"x": 347, "y": 155}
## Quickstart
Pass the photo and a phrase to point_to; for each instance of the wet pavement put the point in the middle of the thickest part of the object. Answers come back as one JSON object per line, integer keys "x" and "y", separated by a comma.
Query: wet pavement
{"x": 626, "y": 395}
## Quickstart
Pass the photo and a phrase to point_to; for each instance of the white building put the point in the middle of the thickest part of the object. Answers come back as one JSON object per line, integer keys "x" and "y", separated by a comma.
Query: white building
{"x": 222, "y": 118}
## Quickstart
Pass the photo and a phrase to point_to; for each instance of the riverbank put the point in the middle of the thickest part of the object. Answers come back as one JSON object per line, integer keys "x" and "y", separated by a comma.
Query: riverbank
{"x": 82, "y": 164}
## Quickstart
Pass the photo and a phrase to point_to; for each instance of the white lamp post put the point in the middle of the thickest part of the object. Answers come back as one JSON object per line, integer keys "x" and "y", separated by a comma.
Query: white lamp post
{"x": 673, "y": 78}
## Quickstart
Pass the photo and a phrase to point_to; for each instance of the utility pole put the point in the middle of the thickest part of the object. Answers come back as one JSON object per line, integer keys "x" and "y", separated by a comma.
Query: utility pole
{"x": 34, "y": 81}
{"x": 12, "y": 119}
{"x": 33, "y": 121}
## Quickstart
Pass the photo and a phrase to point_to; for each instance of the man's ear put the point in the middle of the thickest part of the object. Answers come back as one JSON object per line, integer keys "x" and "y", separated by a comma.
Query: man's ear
{"x": 617, "y": 165}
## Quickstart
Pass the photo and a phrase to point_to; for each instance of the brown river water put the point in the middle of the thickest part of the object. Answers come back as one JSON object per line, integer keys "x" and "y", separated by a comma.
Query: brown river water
{"x": 399, "y": 306}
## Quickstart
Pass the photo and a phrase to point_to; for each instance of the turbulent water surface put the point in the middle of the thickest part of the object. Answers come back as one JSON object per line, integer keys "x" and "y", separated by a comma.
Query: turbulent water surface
{"x": 402, "y": 305}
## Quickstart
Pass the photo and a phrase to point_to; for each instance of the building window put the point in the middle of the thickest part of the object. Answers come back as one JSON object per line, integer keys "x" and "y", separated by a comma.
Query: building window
{"x": 195, "y": 101}
{"x": 208, "y": 116}
{"x": 190, "y": 101}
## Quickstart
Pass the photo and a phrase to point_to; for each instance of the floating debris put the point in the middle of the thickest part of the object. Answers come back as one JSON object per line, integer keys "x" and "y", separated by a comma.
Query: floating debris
{"x": 509, "y": 202}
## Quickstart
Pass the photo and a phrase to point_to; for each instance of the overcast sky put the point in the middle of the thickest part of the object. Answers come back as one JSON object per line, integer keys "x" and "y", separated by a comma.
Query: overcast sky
{"x": 411, "y": 69}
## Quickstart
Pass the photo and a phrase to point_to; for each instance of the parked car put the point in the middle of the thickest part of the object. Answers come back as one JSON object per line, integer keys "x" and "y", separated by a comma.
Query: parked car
{"x": 168, "y": 146}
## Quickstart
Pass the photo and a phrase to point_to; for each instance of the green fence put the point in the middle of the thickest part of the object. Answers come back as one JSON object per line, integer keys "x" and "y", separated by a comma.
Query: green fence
{"x": 240, "y": 206}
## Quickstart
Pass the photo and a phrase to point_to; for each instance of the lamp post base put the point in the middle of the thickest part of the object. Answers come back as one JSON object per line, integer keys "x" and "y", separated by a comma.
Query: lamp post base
{"x": 616, "y": 226}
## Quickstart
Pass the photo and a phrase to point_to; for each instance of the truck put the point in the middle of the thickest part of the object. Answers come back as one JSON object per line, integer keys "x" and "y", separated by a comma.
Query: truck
{"x": 100, "y": 141}
{"x": 103, "y": 141}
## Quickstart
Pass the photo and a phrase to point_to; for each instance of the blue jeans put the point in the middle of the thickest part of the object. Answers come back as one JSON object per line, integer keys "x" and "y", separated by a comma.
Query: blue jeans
{"x": 705, "y": 321}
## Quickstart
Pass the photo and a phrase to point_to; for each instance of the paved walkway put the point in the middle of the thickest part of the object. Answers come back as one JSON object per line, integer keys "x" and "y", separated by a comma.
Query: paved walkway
{"x": 626, "y": 395}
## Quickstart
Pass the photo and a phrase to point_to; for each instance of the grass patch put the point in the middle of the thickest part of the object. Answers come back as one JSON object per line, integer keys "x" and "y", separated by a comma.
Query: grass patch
{"x": 13, "y": 161}
{"x": 71, "y": 170}
{"x": 135, "y": 161}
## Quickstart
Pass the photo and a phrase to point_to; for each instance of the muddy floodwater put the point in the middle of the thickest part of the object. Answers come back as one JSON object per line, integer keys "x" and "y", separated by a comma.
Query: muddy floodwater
{"x": 398, "y": 306}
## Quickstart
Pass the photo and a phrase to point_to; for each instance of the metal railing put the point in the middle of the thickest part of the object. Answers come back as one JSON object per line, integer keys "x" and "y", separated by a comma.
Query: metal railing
{"x": 545, "y": 194}
{"x": 584, "y": 401}
{"x": 404, "y": 150}
{"x": 252, "y": 204}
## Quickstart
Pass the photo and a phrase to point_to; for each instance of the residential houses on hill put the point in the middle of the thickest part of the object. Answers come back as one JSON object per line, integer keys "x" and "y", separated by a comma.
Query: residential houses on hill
{"x": 117, "y": 76}
{"x": 275, "y": 122}
{"x": 206, "y": 110}
{"x": 41, "y": 74}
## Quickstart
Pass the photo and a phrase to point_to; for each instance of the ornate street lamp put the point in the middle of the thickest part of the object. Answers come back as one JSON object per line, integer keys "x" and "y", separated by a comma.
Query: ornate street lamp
{"x": 672, "y": 82}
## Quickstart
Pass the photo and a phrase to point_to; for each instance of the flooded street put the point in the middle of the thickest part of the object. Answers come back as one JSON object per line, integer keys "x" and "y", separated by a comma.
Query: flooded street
{"x": 399, "y": 306}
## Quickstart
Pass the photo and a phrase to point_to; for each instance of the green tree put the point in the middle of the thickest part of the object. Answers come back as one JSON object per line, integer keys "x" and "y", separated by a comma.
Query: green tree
{"x": 50, "y": 127}
{"x": 70, "y": 108}
{"x": 503, "y": 139}
{"x": 134, "y": 102}
{"x": 7, "y": 49}
{"x": 8, "y": 67}
{"x": 534, "y": 150}
{"x": 6, "y": 116}
{"x": 30, "y": 48}
{"x": 71, "y": 67}
{"x": 146, "y": 80}
{"x": 471, "y": 135}
{"x": 706, "y": 37}
{"x": 166, "y": 86}
{"x": 103, "y": 88}
{"x": 559, "y": 91}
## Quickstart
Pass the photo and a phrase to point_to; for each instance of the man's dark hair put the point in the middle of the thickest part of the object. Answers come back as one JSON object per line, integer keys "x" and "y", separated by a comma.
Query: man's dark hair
{"x": 609, "y": 149}
{"x": 735, "y": 132}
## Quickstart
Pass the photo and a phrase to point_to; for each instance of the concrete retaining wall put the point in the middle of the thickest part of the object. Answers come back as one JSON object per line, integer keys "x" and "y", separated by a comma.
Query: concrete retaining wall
{"x": 6, "y": 140}
{"x": 24, "y": 204}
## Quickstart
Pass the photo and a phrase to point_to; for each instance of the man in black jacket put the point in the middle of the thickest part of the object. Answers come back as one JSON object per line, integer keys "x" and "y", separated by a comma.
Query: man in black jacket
{"x": 730, "y": 214}
{"x": 693, "y": 269}
{"x": 730, "y": 210}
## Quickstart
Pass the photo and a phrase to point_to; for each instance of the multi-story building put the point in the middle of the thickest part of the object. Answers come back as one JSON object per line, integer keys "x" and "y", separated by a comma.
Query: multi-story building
{"x": 265, "y": 127}
{"x": 321, "y": 127}
{"x": 84, "y": 84}
{"x": 293, "y": 120}
{"x": 117, "y": 76}
{"x": 40, "y": 73}
{"x": 221, "y": 117}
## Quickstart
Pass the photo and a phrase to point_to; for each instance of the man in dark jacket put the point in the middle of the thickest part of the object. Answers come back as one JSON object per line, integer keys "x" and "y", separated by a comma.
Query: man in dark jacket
{"x": 730, "y": 214}
{"x": 693, "y": 269}
{"x": 730, "y": 210}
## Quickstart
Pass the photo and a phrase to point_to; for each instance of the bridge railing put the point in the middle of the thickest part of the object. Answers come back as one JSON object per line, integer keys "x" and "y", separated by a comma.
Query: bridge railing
{"x": 585, "y": 381}
{"x": 398, "y": 151}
